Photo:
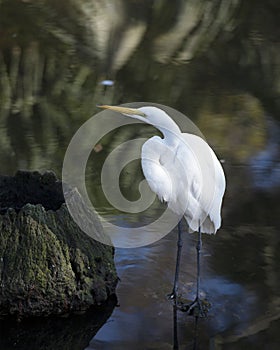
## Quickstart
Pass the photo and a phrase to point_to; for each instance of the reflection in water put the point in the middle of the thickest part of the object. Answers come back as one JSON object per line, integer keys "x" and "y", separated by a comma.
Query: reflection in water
{"x": 73, "y": 332}
{"x": 54, "y": 57}
{"x": 175, "y": 328}
{"x": 176, "y": 344}
{"x": 265, "y": 166}
{"x": 145, "y": 314}
{"x": 196, "y": 28}
{"x": 50, "y": 79}
{"x": 235, "y": 125}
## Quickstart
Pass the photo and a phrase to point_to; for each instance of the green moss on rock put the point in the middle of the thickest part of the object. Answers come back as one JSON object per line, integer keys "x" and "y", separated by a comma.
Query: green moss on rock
{"x": 47, "y": 264}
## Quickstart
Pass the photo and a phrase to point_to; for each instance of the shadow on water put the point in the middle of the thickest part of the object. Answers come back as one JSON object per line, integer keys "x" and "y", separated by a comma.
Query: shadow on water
{"x": 217, "y": 62}
{"x": 72, "y": 332}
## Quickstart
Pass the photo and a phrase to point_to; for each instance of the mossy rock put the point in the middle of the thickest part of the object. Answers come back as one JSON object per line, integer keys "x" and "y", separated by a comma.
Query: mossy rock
{"x": 47, "y": 264}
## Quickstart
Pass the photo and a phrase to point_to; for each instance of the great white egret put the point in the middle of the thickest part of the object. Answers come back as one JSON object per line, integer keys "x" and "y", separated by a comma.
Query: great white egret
{"x": 183, "y": 171}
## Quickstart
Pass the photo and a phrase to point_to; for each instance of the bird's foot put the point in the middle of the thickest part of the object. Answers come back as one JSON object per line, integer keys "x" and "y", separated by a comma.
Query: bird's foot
{"x": 172, "y": 296}
{"x": 197, "y": 308}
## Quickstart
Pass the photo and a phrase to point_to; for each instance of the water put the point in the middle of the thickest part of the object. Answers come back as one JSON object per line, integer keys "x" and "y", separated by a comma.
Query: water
{"x": 234, "y": 280}
{"x": 217, "y": 67}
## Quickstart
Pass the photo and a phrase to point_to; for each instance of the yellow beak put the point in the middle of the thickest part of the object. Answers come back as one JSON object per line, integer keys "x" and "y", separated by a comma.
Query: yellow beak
{"x": 124, "y": 110}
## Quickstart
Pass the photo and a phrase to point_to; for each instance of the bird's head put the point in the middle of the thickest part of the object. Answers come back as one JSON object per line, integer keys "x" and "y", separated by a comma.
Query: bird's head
{"x": 149, "y": 114}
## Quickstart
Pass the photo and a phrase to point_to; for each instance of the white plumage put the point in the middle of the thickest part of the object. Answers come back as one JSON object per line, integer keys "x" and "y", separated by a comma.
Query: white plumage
{"x": 181, "y": 169}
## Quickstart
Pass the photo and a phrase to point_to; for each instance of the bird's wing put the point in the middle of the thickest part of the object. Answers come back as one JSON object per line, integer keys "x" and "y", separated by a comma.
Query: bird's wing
{"x": 154, "y": 171}
{"x": 169, "y": 172}
{"x": 206, "y": 184}
{"x": 188, "y": 176}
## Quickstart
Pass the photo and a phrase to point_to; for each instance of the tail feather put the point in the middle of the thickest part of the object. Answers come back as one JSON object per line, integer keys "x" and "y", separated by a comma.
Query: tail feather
{"x": 207, "y": 226}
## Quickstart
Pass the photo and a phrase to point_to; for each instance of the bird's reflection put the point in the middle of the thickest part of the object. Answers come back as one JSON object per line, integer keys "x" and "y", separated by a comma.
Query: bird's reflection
{"x": 175, "y": 328}
{"x": 195, "y": 337}
{"x": 176, "y": 345}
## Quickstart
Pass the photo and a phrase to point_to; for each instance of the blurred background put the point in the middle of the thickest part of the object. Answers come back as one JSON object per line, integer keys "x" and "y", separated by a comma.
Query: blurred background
{"x": 216, "y": 61}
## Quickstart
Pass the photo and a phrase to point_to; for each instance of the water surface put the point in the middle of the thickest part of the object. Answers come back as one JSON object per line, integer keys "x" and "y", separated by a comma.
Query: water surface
{"x": 218, "y": 63}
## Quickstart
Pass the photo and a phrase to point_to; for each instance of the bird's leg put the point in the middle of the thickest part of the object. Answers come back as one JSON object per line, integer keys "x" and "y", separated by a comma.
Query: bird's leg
{"x": 196, "y": 308}
{"x": 174, "y": 294}
{"x": 198, "y": 249}
{"x": 196, "y": 303}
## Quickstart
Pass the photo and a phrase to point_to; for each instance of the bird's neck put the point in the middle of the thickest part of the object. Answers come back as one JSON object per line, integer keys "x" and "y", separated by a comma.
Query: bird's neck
{"x": 171, "y": 135}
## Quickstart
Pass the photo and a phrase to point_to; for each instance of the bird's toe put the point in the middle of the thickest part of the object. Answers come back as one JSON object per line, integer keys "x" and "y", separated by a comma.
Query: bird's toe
{"x": 197, "y": 308}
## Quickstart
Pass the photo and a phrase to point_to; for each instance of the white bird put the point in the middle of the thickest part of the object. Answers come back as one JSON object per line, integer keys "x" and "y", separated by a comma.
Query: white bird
{"x": 183, "y": 171}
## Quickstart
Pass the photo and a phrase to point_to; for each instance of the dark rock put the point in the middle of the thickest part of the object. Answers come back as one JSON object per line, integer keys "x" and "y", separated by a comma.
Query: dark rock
{"x": 48, "y": 265}
{"x": 30, "y": 187}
